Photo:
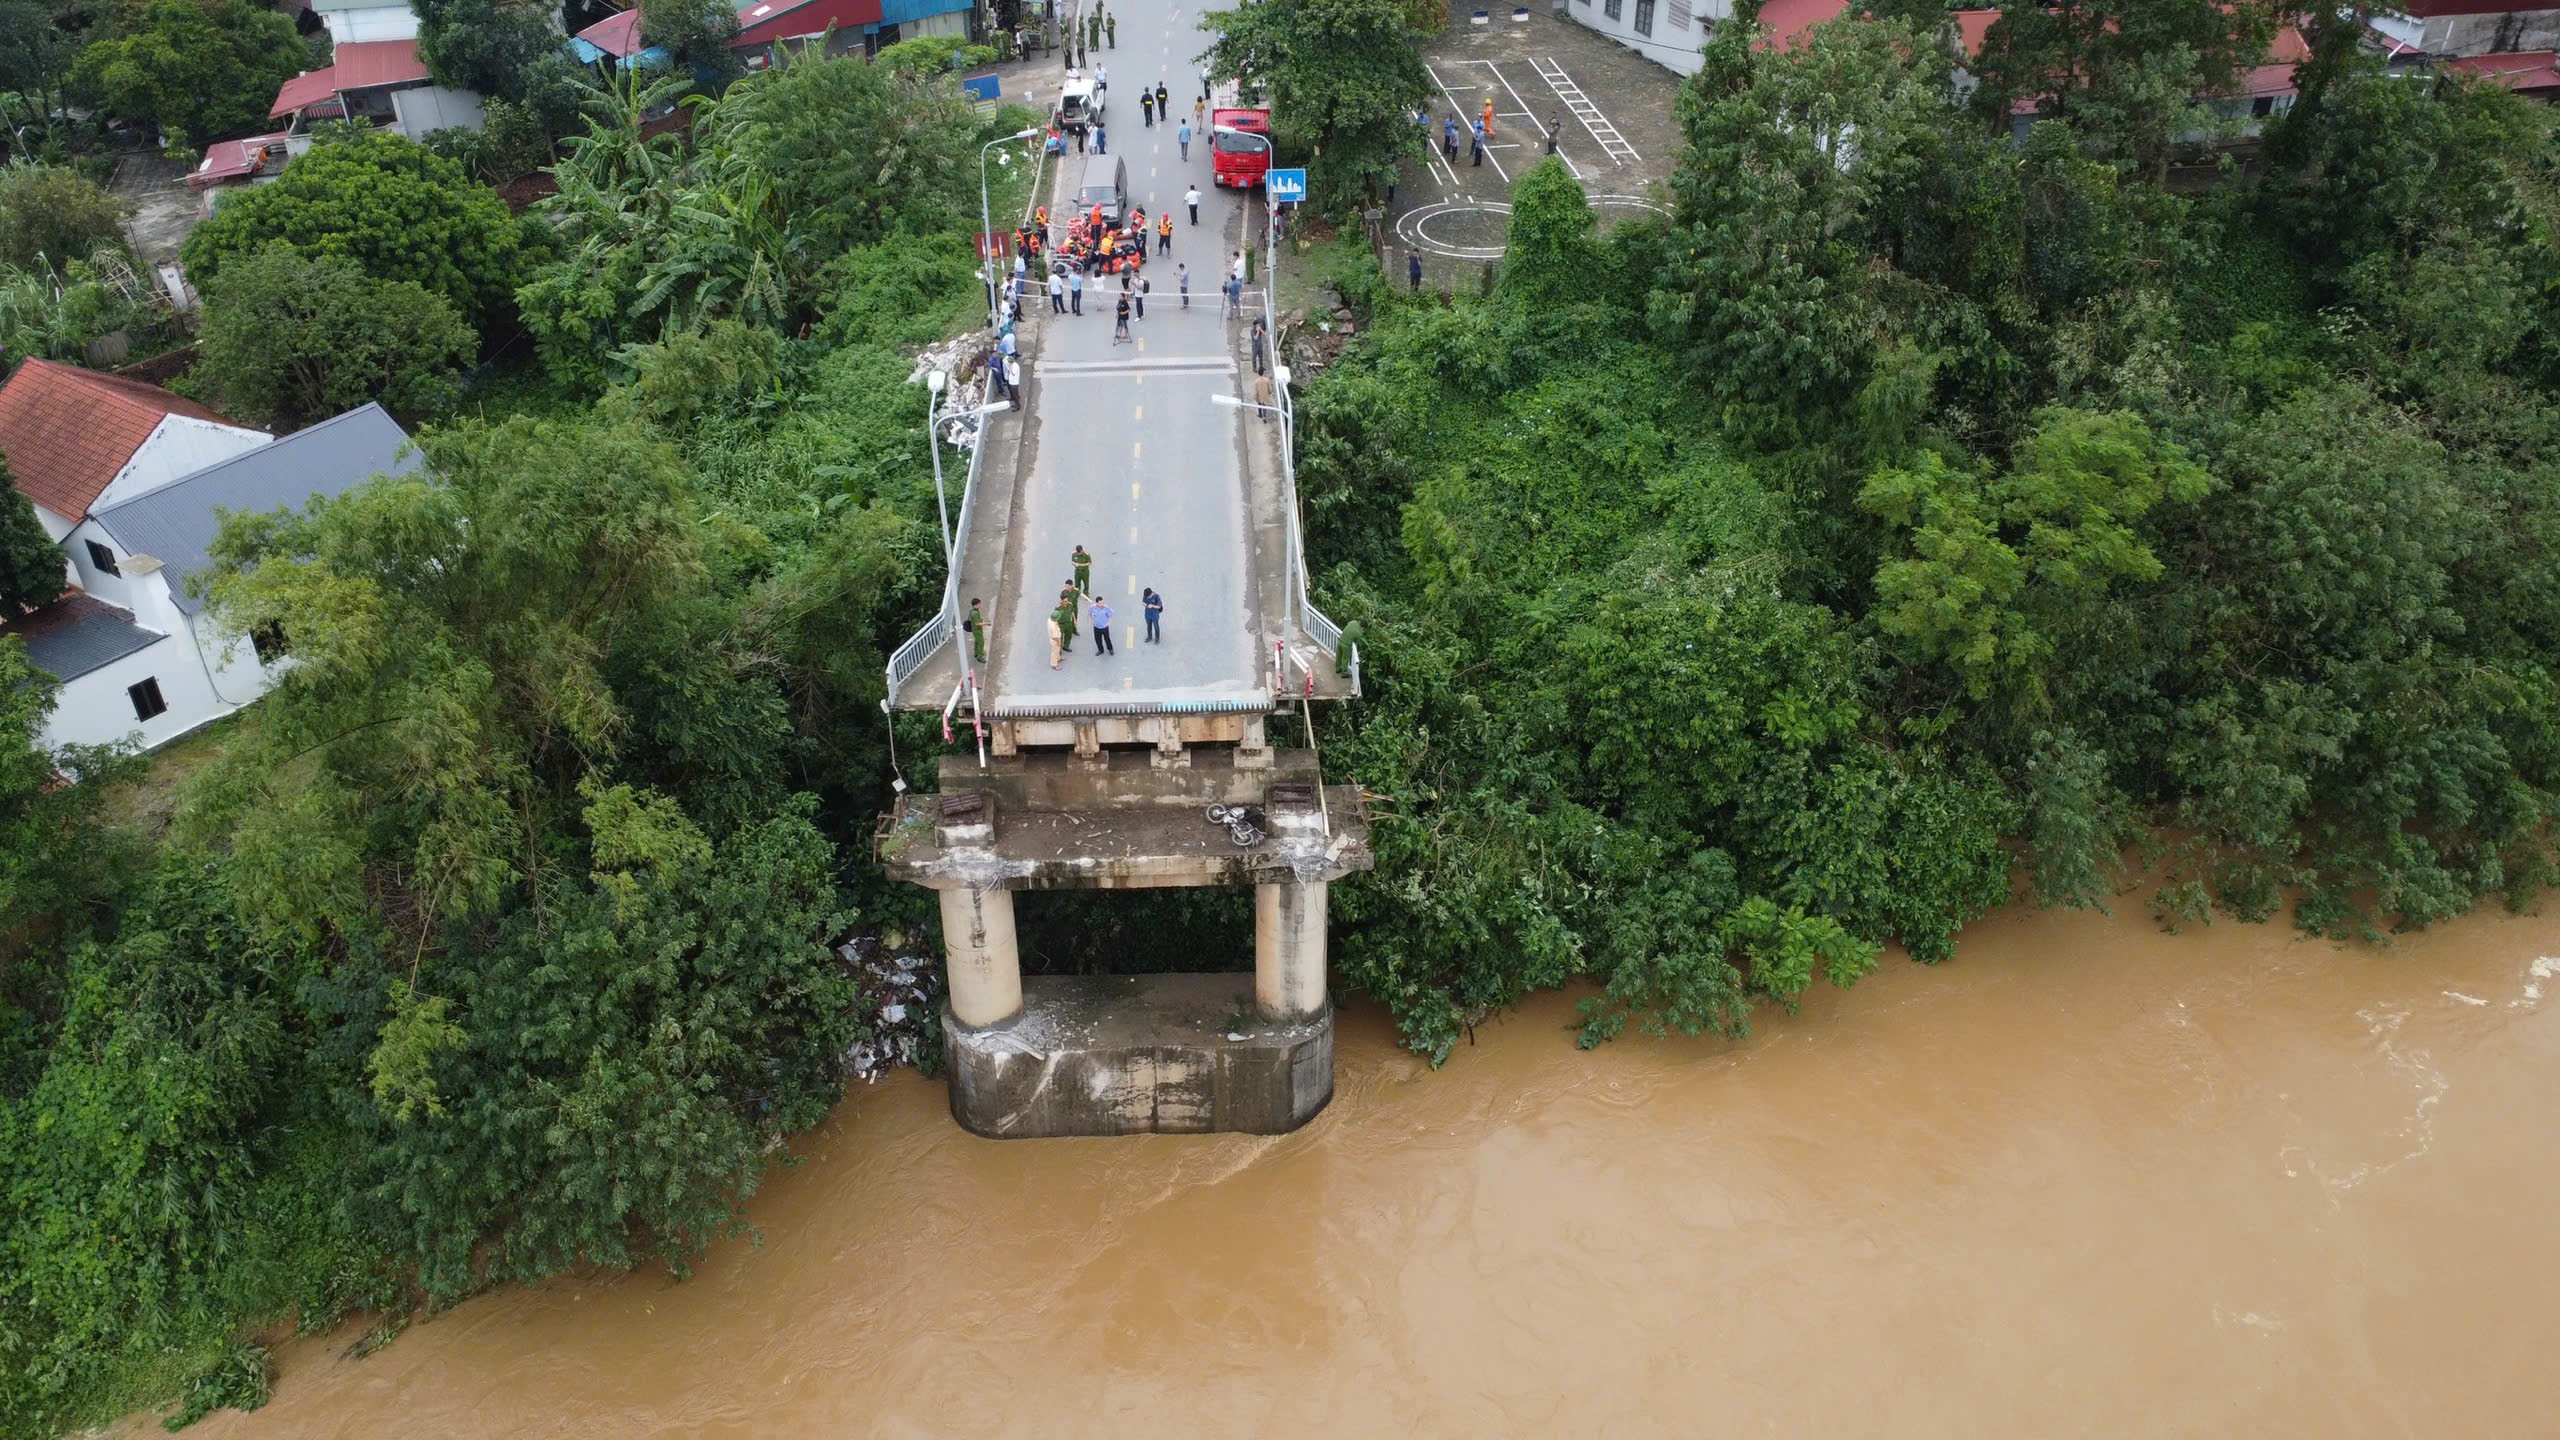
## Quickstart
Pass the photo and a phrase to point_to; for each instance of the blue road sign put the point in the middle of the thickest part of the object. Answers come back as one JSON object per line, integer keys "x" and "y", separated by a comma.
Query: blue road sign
{"x": 983, "y": 92}
{"x": 1284, "y": 186}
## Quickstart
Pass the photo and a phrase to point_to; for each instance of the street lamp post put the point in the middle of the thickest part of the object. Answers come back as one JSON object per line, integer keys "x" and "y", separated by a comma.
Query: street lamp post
{"x": 935, "y": 381}
{"x": 986, "y": 223}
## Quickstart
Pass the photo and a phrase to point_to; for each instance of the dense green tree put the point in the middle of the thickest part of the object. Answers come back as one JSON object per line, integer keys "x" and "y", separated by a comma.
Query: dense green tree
{"x": 291, "y": 340}
{"x": 696, "y": 35}
{"x": 790, "y": 171}
{"x": 1770, "y": 299}
{"x": 386, "y": 203}
{"x": 2128, "y": 75}
{"x": 1343, "y": 77}
{"x": 2001, "y": 579}
{"x": 506, "y": 49}
{"x": 37, "y": 48}
{"x": 50, "y": 215}
{"x": 198, "y": 69}
{"x": 31, "y": 565}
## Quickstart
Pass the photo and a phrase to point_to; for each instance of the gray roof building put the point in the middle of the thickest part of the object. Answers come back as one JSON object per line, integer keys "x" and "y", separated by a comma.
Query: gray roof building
{"x": 177, "y": 522}
{"x": 78, "y": 634}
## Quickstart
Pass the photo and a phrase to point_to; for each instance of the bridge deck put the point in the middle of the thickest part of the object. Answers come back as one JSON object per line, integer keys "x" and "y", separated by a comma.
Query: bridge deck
{"x": 1121, "y": 448}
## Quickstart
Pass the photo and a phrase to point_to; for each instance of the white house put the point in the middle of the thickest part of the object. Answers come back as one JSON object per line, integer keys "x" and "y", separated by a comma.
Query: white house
{"x": 136, "y": 654}
{"x": 1667, "y": 32}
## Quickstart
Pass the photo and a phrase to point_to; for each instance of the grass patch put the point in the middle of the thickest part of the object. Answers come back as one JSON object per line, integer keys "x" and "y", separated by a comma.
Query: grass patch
{"x": 150, "y": 799}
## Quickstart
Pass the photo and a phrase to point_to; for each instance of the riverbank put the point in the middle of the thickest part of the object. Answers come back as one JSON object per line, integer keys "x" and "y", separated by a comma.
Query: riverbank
{"x": 2086, "y": 1177}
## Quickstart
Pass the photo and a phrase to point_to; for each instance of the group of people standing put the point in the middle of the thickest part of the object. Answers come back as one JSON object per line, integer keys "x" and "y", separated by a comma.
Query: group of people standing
{"x": 1076, "y": 593}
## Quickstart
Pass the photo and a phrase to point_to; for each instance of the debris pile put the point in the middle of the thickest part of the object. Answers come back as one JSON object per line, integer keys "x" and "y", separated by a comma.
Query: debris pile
{"x": 908, "y": 992}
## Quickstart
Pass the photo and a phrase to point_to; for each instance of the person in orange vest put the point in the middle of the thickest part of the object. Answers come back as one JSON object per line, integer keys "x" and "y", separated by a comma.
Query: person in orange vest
{"x": 1164, "y": 233}
{"x": 1488, "y": 119}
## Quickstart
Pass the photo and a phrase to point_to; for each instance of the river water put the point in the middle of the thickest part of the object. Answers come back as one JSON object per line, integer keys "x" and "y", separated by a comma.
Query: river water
{"x": 2085, "y": 1179}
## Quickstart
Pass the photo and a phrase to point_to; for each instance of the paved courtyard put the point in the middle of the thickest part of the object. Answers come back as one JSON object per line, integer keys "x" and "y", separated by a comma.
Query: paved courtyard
{"x": 1612, "y": 110}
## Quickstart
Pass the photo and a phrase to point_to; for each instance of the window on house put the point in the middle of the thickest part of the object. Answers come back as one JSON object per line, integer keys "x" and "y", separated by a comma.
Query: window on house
{"x": 268, "y": 639}
{"x": 1613, "y": 8}
{"x": 1679, "y": 15}
{"x": 102, "y": 559}
{"x": 1644, "y": 17}
{"x": 146, "y": 699}
{"x": 2263, "y": 106}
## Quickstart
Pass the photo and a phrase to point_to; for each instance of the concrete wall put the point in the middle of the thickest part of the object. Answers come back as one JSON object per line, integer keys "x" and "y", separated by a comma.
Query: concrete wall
{"x": 429, "y": 108}
{"x": 1679, "y": 26}
{"x": 348, "y": 21}
{"x": 204, "y": 674}
{"x": 2459, "y": 35}
{"x": 116, "y": 589}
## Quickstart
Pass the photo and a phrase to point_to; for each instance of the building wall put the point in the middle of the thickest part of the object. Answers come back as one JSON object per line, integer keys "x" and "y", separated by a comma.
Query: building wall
{"x": 180, "y": 445}
{"x": 1679, "y": 26}
{"x": 349, "y": 21}
{"x": 429, "y": 108}
{"x": 116, "y": 589}
{"x": 2460, "y": 35}
{"x": 203, "y": 676}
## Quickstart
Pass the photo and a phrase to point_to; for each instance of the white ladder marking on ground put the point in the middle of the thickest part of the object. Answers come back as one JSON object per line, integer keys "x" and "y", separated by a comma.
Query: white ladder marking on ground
{"x": 1612, "y": 144}
{"x": 1526, "y": 113}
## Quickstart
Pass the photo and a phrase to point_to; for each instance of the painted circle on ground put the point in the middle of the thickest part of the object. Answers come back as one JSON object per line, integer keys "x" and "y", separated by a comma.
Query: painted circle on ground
{"x": 1457, "y": 230}
{"x": 1477, "y": 230}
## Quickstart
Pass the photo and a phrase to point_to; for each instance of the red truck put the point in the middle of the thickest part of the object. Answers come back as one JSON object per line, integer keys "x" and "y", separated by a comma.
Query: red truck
{"x": 1239, "y": 139}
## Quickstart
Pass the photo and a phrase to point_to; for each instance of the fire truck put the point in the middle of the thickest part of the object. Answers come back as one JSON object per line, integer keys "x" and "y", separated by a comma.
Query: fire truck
{"x": 1239, "y": 139}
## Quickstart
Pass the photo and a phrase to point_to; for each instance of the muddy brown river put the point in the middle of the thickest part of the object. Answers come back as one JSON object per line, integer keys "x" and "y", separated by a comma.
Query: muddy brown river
{"x": 2085, "y": 1179}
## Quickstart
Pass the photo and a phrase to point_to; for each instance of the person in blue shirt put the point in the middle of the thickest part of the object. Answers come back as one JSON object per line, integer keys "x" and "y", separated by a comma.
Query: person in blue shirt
{"x": 1182, "y": 133}
{"x": 1153, "y": 603}
{"x": 1101, "y": 627}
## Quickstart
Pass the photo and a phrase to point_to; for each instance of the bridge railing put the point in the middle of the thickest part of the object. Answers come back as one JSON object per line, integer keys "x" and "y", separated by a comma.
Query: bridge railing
{"x": 909, "y": 659}
{"x": 1314, "y": 622}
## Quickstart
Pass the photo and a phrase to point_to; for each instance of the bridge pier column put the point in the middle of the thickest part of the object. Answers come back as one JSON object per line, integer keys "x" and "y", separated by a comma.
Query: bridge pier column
{"x": 1289, "y": 949}
{"x": 980, "y": 955}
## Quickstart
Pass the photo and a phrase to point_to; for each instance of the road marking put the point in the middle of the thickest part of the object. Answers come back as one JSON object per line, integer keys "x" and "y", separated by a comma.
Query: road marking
{"x": 1128, "y": 682}
{"x": 1140, "y": 413}
{"x": 1133, "y": 489}
{"x": 1133, "y": 575}
{"x": 1134, "y": 448}
{"x": 1133, "y": 539}
{"x": 1137, "y": 369}
{"x": 1461, "y": 109}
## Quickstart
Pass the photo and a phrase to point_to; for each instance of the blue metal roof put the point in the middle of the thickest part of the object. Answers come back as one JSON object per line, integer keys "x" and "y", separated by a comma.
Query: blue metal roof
{"x": 899, "y": 12}
{"x": 176, "y": 523}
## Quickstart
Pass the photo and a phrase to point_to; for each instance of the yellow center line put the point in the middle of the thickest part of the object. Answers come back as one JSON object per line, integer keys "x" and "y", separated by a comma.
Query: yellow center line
{"x": 1133, "y": 584}
{"x": 1138, "y": 414}
{"x": 1133, "y": 489}
{"x": 1136, "y": 450}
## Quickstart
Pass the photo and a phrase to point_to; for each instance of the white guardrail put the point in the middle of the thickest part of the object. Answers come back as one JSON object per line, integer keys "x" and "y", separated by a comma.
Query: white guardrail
{"x": 1314, "y": 622}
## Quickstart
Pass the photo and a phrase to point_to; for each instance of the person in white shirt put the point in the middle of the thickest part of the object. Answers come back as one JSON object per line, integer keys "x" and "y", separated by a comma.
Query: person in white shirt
{"x": 1192, "y": 199}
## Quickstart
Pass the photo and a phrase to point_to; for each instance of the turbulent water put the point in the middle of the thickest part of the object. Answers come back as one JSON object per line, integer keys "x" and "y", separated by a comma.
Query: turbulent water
{"x": 2085, "y": 1179}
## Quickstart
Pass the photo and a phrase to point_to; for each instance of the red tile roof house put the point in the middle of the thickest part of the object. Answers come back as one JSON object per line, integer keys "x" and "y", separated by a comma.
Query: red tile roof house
{"x": 383, "y": 81}
{"x": 133, "y": 482}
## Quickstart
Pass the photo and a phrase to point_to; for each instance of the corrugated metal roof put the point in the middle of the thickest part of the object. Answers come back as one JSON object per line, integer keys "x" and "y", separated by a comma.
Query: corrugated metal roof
{"x": 176, "y": 523}
{"x": 78, "y": 634}
{"x": 900, "y": 12}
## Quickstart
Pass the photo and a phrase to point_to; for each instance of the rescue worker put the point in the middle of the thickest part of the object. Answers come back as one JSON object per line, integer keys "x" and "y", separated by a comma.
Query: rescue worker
{"x": 1164, "y": 233}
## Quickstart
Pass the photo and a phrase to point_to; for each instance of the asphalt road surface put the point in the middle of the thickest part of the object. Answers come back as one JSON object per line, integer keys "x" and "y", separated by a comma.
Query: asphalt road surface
{"x": 1129, "y": 457}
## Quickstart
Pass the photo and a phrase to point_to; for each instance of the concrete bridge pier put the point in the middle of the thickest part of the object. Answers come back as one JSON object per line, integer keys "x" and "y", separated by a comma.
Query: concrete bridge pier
{"x": 1123, "y": 1054}
{"x": 980, "y": 953}
{"x": 1288, "y": 949}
